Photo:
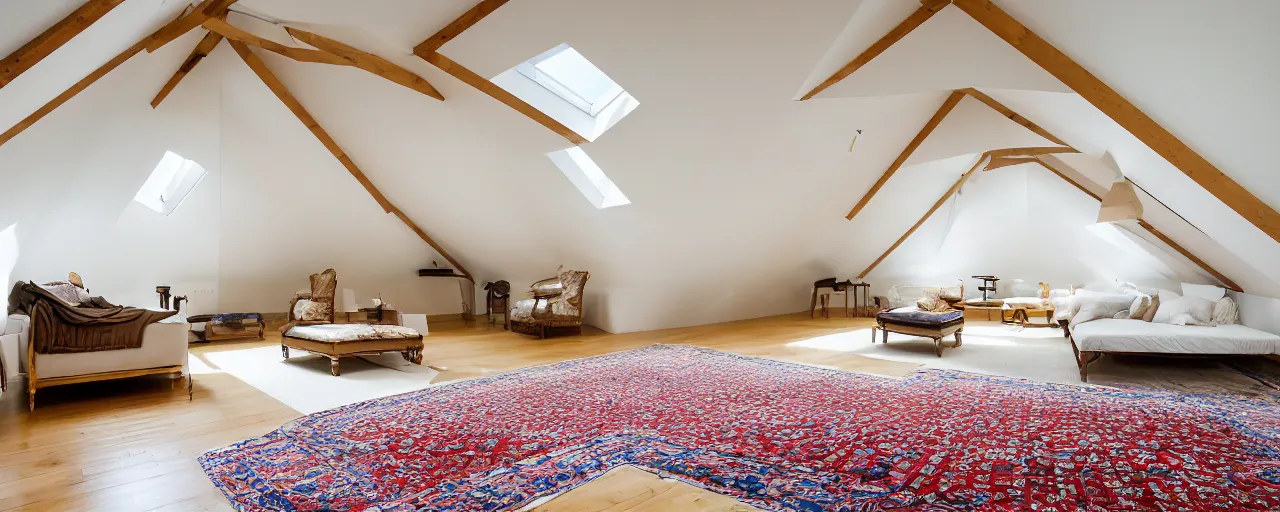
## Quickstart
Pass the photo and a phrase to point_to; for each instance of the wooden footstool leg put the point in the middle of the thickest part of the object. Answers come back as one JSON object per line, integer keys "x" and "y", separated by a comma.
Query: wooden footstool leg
{"x": 873, "y": 335}
{"x": 284, "y": 350}
{"x": 886, "y": 336}
{"x": 958, "y": 340}
{"x": 333, "y": 367}
{"x": 413, "y": 355}
{"x": 937, "y": 346}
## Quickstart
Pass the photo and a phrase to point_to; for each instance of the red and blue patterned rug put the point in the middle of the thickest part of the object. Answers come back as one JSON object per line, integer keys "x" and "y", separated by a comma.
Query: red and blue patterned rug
{"x": 776, "y": 435}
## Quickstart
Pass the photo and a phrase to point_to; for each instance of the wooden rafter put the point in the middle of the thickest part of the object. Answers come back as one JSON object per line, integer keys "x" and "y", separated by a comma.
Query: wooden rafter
{"x": 368, "y": 62}
{"x": 1068, "y": 179}
{"x": 201, "y": 51}
{"x": 299, "y": 54}
{"x": 1125, "y": 114}
{"x": 53, "y": 38}
{"x": 1187, "y": 254}
{"x": 917, "y": 18}
{"x": 455, "y": 28}
{"x": 1031, "y": 151}
{"x": 83, "y": 84}
{"x": 278, "y": 88}
{"x": 946, "y": 108}
{"x": 427, "y": 51}
{"x": 204, "y": 10}
{"x": 941, "y": 201}
{"x": 1007, "y": 161}
{"x": 471, "y": 78}
{"x": 1013, "y": 116}
{"x": 1147, "y": 226}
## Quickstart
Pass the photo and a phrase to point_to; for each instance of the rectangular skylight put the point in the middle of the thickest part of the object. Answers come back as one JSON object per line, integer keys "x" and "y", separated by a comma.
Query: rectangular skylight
{"x": 591, "y": 181}
{"x": 571, "y": 76}
{"x": 173, "y": 178}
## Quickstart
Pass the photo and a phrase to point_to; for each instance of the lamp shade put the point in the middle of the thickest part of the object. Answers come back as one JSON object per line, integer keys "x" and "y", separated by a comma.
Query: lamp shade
{"x": 348, "y": 304}
{"x": 1120, "y": 203}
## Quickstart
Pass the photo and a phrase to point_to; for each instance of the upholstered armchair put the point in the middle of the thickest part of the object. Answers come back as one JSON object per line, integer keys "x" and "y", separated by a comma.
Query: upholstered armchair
{"x": 556, "y": 304}
{"x": 316, "y": 306}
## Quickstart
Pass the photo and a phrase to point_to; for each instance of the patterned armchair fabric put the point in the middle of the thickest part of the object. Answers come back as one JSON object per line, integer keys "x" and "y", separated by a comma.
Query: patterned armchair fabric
{"x": 324, "y": 287}
{"x": 556, "y": 302}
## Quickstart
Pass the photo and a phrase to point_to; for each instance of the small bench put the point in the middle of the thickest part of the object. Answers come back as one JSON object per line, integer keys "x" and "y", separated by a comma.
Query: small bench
{"x": 914, "y": 322}
{"x": 337, "y": 341}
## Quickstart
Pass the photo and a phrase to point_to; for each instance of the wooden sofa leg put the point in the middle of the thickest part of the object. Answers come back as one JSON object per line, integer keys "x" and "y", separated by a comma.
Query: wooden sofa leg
{"x": 1086, "y": 357}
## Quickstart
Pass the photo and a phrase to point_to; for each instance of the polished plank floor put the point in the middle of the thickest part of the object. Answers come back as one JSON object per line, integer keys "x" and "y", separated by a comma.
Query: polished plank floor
{"x": 132, "y": 445}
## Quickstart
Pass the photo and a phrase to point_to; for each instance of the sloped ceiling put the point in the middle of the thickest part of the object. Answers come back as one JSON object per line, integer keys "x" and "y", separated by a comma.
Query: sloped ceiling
{"x": 738, "y": 192}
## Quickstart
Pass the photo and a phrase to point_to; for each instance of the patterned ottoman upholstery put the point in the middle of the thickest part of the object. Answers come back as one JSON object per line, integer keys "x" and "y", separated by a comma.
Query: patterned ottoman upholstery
{"x": 914, "y": 322}
{"x": 337, "y": 341}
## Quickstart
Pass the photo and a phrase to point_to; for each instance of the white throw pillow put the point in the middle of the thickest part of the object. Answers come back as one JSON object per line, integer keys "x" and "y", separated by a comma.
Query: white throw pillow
{"x": 1167, "y": 295}
{"x": 1209, "y": 292}
{"x": 1225, "y": 311}
{"x": 1083, "y": 297}
{"x": 1201, "y": 310}
{"x": 1092, "y": 308}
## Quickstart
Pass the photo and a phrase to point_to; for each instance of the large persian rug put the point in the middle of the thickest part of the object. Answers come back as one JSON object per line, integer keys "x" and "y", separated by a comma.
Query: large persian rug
{"x": 775, "y": 435}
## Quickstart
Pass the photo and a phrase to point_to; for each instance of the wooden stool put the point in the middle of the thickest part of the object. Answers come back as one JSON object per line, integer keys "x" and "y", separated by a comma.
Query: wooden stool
{"x": 862, "y": 300}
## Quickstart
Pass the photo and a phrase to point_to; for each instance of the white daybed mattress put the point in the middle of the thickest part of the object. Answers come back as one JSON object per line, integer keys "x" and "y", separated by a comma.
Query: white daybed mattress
{"x": 1112, "y": 335}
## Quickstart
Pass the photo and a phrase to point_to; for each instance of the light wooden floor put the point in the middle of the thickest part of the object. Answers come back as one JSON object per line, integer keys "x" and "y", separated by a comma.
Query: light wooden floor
{"x": 132, "y": 445}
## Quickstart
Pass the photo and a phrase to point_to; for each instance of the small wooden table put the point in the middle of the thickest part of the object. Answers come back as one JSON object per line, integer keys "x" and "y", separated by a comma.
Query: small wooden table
{"x": 381, "y": 316}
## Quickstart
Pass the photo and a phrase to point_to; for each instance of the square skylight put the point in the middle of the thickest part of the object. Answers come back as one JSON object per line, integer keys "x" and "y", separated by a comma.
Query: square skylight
{"x": 173, "y": 178}
{"x": 591, "y": 181}
{"x": 563, "y": 84}
{"x": 571, "y": 76}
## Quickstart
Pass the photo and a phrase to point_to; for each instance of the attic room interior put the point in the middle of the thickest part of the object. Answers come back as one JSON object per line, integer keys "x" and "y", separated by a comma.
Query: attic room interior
{"x": 708, "y": 255}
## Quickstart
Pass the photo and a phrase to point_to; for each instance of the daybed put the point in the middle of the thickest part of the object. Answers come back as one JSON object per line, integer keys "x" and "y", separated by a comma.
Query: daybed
{"x": 89, "y": 340}
{"x": 1201, "y": 321}
{"x": 1090, "y": 340}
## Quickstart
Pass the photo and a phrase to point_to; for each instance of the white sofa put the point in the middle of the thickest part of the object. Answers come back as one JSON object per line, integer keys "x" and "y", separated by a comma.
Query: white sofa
{"x": 164, "y": 350}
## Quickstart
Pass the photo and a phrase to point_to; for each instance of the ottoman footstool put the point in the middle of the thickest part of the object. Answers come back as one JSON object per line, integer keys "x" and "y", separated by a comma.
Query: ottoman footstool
{"x": 338, "y": 341}
{"x": 914, "y": 322}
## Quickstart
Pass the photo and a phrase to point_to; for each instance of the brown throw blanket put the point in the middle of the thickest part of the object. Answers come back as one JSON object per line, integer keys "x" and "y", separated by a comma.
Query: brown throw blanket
{"x": 57, "y": 328}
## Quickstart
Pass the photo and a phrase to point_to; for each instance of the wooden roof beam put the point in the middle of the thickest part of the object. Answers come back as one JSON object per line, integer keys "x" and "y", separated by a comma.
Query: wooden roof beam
{"x": 278, "y": 88}
{"x": 298, "y": 54}
{"x": 1008, "y": 161}
{"x": 1013, "y": 116}
{"x": 202, "y": 50}
{"x": 1068, "y": 179}
{"x": 83, "y": 84}
{"x": 53, "y": 38}
{"x": 926, "y": 11}
{"x": 1187, "y": 254}
{"x": 941, "y": 201}
{"x": 205, "y": 10}
{"x": 427, "y": 51}
{"x": 368, "y": 62}
{"x": 456, "y": 27}
{"x": 1125, "y": 114}
{"x": 471, "y": 78}
{"x": 946, "y": 108}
